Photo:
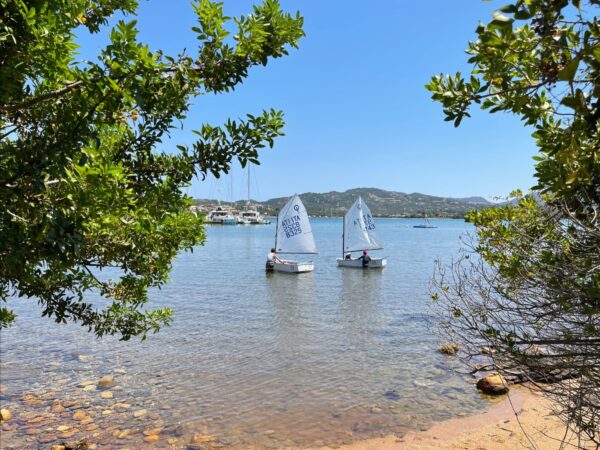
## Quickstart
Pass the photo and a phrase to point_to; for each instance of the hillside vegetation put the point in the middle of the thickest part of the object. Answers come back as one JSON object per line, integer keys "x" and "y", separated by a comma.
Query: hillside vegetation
{"x": 382, "y": 203}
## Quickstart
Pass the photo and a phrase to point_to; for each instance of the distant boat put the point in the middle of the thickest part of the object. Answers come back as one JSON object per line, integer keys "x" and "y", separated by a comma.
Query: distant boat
{"x": 251, "y": 216}
{"x": 426, "y": 224}
{"x": 221, "y": 216}
{"x": 294, "y": 235}
{"x": 358, "y": 236}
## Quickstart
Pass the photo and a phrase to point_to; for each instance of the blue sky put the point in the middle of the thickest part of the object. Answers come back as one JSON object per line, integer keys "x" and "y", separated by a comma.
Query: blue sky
{"x": 356, "y": 110}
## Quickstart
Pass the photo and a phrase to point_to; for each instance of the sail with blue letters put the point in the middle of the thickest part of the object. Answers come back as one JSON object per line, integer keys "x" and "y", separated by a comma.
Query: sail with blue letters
{"x": 294, "y": 234}
{"x": 359, "y": 229}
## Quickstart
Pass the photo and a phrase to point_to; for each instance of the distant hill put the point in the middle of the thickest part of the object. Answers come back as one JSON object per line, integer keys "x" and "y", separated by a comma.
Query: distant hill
{"x": 382, "y": 203}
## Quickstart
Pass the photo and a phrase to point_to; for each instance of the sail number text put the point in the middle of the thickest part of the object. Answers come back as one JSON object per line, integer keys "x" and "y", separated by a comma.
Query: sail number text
{"x": 291, "y": 226}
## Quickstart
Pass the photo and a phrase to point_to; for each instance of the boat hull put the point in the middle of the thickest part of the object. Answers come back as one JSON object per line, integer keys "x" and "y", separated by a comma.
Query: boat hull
{"x": 375, "y": 263}
{"x": 294, "y": 267}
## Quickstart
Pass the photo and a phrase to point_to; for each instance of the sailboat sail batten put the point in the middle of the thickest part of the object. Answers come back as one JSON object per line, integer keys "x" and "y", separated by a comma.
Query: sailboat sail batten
{"x": 359, "y": 229}
{"x": 294, "y": 234}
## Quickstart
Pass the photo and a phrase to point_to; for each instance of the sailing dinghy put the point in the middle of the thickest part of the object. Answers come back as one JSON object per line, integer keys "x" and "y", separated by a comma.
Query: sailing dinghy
{"x": 294, "y": 236}
{"x": 358, "y": 236}
{"x": 426, "y": 224}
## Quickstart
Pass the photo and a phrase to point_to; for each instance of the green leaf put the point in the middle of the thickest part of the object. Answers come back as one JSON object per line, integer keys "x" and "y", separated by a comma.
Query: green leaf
{"x": 499, "y": 17}
{"x": 569, "y": 71}
{"x": 523, "y": 14}
{"x": 510, "y": 9}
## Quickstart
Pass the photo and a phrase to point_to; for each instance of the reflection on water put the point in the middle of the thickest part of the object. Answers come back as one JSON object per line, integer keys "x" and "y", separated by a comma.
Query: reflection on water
{"x": 252, "y": 359}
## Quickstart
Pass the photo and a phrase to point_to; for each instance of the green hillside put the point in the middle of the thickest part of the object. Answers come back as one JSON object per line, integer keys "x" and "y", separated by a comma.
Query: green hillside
{"x": 382, "y": 203}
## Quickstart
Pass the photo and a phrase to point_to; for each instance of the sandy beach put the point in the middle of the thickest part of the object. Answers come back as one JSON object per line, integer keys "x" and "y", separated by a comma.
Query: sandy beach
{"x": 498, "y": 427}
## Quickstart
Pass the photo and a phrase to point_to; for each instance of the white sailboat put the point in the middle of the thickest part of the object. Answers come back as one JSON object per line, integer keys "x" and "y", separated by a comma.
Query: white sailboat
{"x": 251, "y": 216}
{"x": 221, "y": 215}
{"x": 359, "y": 235}
{"x": 294, "y": 236}
{"x": 426, "y": 224}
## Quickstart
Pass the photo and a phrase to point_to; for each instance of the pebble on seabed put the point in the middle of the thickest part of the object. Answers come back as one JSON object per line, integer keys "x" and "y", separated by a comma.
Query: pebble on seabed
{"x": 5, "y": 414}
{"x": 152, "y": 438}
{"x": 106, "y": 381}
{"x": 140, "y": 413}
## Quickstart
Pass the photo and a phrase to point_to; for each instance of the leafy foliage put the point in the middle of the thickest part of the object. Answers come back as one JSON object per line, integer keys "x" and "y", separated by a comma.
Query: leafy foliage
{"x": 547, "y": 72}
{"x": 530, "y": 286}
{"x": 83, "y": 188}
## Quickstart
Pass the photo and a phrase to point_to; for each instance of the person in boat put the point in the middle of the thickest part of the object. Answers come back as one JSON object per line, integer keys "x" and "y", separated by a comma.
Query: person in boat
{"x": 272, "y": 258}
{"x": 348, "y": 257}
{"x": 366, "y": 259}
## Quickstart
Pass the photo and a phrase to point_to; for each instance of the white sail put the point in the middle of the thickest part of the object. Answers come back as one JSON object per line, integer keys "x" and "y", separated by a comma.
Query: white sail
{"x": 294, "y": 234}
{"x": 359, "y": 229}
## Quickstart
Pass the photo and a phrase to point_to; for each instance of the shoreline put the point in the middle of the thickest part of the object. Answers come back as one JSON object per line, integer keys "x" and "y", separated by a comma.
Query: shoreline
{"x": 496, "y": 427}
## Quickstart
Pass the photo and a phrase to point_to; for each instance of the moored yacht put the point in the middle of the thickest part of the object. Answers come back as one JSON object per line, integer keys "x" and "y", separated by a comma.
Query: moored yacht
{"x": 221, "y": 216}
{"x": 251, "y": 216}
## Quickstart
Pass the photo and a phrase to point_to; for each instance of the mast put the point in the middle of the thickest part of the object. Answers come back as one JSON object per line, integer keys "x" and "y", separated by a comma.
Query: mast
{"x": 248, "y": 197}
{"x": 276, "y": 229}
{"x": 343, "y": 235}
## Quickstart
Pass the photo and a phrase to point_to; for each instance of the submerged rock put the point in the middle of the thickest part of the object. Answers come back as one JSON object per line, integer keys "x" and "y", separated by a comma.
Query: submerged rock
{"x": 5, "y": 414}
{"x": 140, "y": 413}
{"x": 152, "y": 431}
{"x": 71, "y": 404}
{"x": 57, "y": 408}
{"x": 77, "y": 445}
{"x": 86, "y": 420}
{"x": 448, "y": 348}
{"x": 422, "y": 383}
{"x": 392, "y": 395}
{"x": 67, "y": 434}
{"x": 78, "y": 415}
{"x": 201, "y": 438}
{"x": 121, "y": 434}
{"x": 31, "y": 399}
{"x": 493, "y": 384}
{"x": 106, "y": 381}
{"x": 121, "y": 405}
{"x": 80, "y": 357}
{"x": 45, "y": 438}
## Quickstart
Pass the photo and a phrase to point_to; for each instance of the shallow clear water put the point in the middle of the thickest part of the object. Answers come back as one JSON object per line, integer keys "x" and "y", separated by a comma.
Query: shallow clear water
{"x": 252, "y": 359}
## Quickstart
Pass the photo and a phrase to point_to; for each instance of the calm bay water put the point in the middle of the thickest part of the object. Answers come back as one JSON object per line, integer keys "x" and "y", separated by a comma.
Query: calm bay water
{"x": 252, "y": 360}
